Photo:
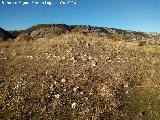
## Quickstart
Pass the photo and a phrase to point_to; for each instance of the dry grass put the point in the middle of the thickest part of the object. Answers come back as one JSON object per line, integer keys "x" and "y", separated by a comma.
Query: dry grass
{"x": 78, "y": 30}
{"x": 79, "y": 77}
{"x": 116, "y": 37}
{"x": 23, "y": 37}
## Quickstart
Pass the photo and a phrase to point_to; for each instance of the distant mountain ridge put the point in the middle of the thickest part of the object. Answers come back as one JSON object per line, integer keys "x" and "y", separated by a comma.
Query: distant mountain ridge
{"x": 45, "y": 30}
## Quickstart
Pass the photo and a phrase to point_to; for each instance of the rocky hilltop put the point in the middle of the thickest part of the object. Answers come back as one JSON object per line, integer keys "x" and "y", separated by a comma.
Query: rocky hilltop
{"x": 50, "y": 30}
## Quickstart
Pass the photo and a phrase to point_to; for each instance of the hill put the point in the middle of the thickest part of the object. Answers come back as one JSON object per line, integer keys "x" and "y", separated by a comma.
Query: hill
{"x": 50, "y": 30}
{"x": 75, "y": 75}
{"x": 5, "y": 35}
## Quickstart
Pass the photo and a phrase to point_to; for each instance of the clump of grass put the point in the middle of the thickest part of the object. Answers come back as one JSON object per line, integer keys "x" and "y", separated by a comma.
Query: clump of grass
{"x": 79, "y": 31}
{"x": 116, "y": 37}
{"x": 56, "y": 31}
{"x": 142, "y": 43}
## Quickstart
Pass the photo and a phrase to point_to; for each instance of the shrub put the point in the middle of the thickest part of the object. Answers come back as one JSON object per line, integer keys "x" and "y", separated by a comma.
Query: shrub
{"x": 116, "y": 37}
{"x": 24, "y": 37}
{"x": 127, "y": 37}
{"x": 58, "y": 30}
{"x": 79, "y": 30}
{"x": 142, "y": 43}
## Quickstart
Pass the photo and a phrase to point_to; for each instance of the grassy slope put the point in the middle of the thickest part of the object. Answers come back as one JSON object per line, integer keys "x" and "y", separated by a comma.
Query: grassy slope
{"x": 103, "y": 79}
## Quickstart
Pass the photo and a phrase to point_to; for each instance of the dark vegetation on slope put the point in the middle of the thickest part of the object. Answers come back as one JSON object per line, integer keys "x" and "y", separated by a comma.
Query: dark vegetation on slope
{"x": 16, "y": 33}
{"x": 5, "y": 35}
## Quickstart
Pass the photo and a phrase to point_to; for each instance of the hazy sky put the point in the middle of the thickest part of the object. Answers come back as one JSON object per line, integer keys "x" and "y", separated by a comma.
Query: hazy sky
{"x": 140, "y": 15}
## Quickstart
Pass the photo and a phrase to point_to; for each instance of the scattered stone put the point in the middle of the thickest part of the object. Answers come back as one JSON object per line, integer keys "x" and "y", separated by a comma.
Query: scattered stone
{"x": 85, "y": 55}
{"x": 96, "y": 59}
{"x": 25, "y": 74}
{"x": 77, "y": 75}
{"x": 89, "y": 57}
{"x": 2, "y": 52}
{"x": 127, "y": 92}
{"x": 31, "y": 57}
{"x": 109, "y": 60}
{"x": 72, "y": 59}
{"x": 90, "y": 93}
{"x": 81, "y": 93}
{"x": 86, "y": 98}
{"x": 48, "y": 56}
{"x": 46, "y": 72}
{"x": 74, "y": 105}
{"x": 93, "y": 63}
{"x": 63, "y": 58}
{"x": 75, "y": 89}
{"x": 57, "y": 96}
{"x": 63, "y": 80}
{"x": 55, "y": 82}
{"x": 126, "y": 85}
{"x": 51, "y": 87}
{"x": 54, "y": 56}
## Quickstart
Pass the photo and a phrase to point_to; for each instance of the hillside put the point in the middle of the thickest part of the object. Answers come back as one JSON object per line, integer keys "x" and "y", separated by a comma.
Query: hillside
{"x": 49, "y": 30}
{"x": 5, "y": 35}
{"x": 53, "y": 72}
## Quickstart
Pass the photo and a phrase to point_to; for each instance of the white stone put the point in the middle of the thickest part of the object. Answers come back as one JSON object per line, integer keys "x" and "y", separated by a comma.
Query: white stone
{"x": 63, "y": 80}
{"x": 86, "y": 98}
{"x": 109, "y": 60}
{"x": 89, "y": 57}
{"x": 57, "y": 96}
{"x": 55, "y": 82}
{"x": 54, "y": 56}
{"x": 63, "y": 58}
{"x": 72, "y": 59}
{"x": 74, "y": 104}
{"x": 81, "y": 93}
{"x": 96, "y": 59}
{"x": 31, "y": 57}
{"x": 93, "y": 63}
{"x": 126, "y": 85}
{"x": 127, "y": 92}
{"x": 77, "y": 75}
{"x": 75, "y": 89}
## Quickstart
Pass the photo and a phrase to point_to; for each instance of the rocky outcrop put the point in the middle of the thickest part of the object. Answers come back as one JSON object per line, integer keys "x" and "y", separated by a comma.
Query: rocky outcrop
{"x": 48, "y": 31}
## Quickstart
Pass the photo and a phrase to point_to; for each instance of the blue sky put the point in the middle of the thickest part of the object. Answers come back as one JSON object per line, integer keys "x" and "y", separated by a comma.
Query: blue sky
{"x": 139, "y": 15}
